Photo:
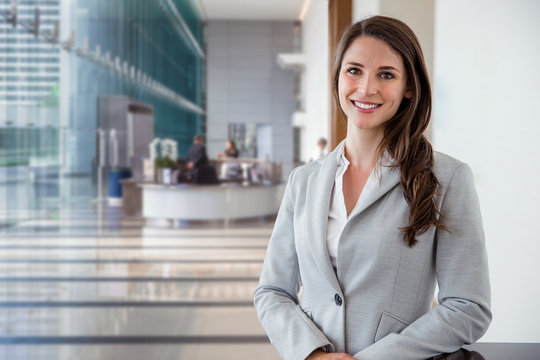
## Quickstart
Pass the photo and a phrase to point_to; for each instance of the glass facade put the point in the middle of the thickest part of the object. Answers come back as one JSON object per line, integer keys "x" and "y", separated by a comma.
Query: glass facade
{"x": 51, "y": 78}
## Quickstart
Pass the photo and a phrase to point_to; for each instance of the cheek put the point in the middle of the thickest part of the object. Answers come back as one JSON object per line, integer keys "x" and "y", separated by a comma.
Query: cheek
{"x": 344, "y": 87}
{"x": 396, "y": 95}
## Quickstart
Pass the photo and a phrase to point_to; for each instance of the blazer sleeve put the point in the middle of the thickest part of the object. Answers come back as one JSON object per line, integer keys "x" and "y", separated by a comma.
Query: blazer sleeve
{"x": 463, "y": 314}
{"x": 289, "y": 329}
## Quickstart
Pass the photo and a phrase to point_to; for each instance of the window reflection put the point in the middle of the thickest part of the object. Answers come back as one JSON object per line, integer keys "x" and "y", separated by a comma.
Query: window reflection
{"x": 49, "y": 88}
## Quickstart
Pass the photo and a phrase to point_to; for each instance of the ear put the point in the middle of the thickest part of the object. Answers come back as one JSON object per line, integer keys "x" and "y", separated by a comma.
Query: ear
{"x": 408, "y": 94}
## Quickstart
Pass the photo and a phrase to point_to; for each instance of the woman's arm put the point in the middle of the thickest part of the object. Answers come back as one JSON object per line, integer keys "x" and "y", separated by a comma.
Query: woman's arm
{"x": 463, "y": 314}
{"x": 291, "y": 332}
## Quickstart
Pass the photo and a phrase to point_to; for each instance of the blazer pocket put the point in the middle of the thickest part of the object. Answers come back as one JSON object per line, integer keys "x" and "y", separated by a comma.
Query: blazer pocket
{"x": 389, "y": 324}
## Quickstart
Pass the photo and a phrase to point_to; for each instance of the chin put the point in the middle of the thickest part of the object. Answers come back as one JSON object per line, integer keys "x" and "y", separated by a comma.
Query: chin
{"x": 364, "y": 125}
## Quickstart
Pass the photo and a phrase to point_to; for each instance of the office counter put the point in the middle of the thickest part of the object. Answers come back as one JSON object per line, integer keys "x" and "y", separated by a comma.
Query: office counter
{"x": 495, "y": 351}
{"x": 507, "y": 351}
{"x": 210, "y": 202}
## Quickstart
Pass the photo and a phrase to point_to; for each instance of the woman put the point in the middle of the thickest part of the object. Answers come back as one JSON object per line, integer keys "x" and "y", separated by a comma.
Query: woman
{"x": 230, "y": 150}
{"x": 369, "y": 230}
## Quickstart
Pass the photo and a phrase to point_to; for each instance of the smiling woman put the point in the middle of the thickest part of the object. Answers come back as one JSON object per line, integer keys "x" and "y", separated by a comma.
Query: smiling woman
{"x": 370, "y": 229}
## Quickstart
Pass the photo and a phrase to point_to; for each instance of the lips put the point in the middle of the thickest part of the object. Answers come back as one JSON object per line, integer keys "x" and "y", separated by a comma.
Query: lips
{"x": 365, "y": 106}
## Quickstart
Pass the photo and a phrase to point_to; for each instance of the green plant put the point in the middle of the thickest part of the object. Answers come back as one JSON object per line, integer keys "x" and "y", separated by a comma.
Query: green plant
{"x": 164, "y": 162}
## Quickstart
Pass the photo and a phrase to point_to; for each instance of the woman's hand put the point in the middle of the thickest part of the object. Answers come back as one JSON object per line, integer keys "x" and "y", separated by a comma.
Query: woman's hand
{"x": 321, "y": 355}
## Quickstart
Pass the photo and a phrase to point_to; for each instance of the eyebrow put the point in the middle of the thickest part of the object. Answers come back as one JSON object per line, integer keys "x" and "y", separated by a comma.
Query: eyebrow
{"x": 387, "y": 67}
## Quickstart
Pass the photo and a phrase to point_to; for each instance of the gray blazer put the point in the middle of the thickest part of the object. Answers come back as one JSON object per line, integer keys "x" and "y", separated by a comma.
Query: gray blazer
{"x": 377, "y": 304}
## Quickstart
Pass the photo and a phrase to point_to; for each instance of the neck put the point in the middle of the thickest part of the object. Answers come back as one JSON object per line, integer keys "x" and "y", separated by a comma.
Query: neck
{"x": 361, "y": 146}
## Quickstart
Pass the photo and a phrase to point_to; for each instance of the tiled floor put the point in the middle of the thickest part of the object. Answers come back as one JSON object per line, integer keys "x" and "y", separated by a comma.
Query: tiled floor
{"x": 85, "y": 282}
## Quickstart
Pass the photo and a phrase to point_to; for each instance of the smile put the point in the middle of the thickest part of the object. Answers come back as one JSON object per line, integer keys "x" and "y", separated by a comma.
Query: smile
{"x": 364, "y": 106}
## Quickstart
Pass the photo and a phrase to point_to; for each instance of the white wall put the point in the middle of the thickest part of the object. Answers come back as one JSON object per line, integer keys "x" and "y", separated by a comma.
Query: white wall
{"x": 365, "y": 8}
{"x": 487, "y": 94}
{"x": 315, "y": 87}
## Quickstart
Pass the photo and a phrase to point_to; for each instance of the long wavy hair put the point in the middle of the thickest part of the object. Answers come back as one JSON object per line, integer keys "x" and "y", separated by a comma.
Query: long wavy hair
{"x": 404, "y": 137}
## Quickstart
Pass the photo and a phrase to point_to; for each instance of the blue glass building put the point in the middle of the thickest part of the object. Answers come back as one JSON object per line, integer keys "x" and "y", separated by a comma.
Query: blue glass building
{"x": 52, "y": 75}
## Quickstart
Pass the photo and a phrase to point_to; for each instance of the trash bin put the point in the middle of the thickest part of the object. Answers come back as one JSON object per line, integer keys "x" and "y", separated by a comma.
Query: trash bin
{"x": 115, "y": 188}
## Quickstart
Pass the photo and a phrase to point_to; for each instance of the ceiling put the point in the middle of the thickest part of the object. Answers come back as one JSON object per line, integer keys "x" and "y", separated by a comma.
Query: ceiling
{"x": 251, "y": 9}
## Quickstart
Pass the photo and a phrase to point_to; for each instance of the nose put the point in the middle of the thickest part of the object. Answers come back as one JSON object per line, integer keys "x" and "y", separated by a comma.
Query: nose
{"x": 367, "y": 86}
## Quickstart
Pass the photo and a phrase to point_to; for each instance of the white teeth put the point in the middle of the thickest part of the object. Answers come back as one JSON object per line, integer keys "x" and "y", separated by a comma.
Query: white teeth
{"x": 365, "y": 106}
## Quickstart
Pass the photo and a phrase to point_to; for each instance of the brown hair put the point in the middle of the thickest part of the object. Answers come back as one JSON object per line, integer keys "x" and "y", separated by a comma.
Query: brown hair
{"x": 404, "y": 133}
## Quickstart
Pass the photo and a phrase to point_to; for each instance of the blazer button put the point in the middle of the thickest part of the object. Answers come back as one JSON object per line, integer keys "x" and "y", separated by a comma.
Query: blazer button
{"x": 338, "y": 300}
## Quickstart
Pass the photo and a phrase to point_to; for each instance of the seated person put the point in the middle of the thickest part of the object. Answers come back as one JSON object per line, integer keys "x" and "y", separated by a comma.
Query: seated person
{"x": 230, "y": 151}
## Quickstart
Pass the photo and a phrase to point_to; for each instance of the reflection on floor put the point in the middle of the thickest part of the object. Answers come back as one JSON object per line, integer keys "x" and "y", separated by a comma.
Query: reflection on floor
{"x": 88, "y": 283}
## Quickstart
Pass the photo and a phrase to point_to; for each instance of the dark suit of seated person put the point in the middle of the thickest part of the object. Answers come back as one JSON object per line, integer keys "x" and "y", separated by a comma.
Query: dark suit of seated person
{"x": 200, "y": 170}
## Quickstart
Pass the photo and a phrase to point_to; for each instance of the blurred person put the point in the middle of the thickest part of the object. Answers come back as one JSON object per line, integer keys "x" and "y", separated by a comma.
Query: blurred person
{"x": 320, "y": 150}
{"x": 368, "y": 231}
{"x": 233, "y": 170}
{"x": 200, "y": 170}
{"x": 230, "y": 150}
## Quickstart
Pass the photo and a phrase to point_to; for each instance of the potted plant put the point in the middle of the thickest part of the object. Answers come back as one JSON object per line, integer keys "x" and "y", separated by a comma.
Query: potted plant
{"x": 164, "y": 167}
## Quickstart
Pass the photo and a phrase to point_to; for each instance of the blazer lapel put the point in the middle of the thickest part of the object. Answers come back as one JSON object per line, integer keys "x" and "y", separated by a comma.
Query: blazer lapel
{"x": 319, "y": 193}
{"x": 389, "y": 180}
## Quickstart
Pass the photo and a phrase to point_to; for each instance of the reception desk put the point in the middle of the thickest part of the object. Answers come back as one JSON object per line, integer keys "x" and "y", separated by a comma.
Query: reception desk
{"x": 494, "y": 351}
{"x": 209, "y": 202}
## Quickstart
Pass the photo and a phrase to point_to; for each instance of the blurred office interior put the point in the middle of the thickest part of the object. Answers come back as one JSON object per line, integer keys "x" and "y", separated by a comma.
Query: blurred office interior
{"x": 94, "y": 93}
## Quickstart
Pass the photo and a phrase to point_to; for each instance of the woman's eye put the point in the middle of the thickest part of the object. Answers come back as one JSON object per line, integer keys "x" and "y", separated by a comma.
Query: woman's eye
{"x": 387, "y": 75}
{"x": 353, "y": 71}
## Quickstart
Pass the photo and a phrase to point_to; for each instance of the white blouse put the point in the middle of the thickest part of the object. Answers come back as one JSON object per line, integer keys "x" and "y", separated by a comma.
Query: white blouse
{"x": 337, "y": 214}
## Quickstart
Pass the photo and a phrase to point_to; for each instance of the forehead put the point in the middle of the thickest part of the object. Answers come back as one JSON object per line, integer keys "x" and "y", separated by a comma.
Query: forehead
{"x": 370, "y": 51}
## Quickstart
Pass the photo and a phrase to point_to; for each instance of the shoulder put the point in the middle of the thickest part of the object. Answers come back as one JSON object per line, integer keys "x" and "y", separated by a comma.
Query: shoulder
{"x": 451, "y": 171}
{"x": 300, "y": 175}
{"x": 445, "y": 165}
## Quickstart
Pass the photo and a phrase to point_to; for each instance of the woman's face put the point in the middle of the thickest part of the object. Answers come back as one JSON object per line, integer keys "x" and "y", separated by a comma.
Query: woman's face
{"x": 372, "y": 83}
